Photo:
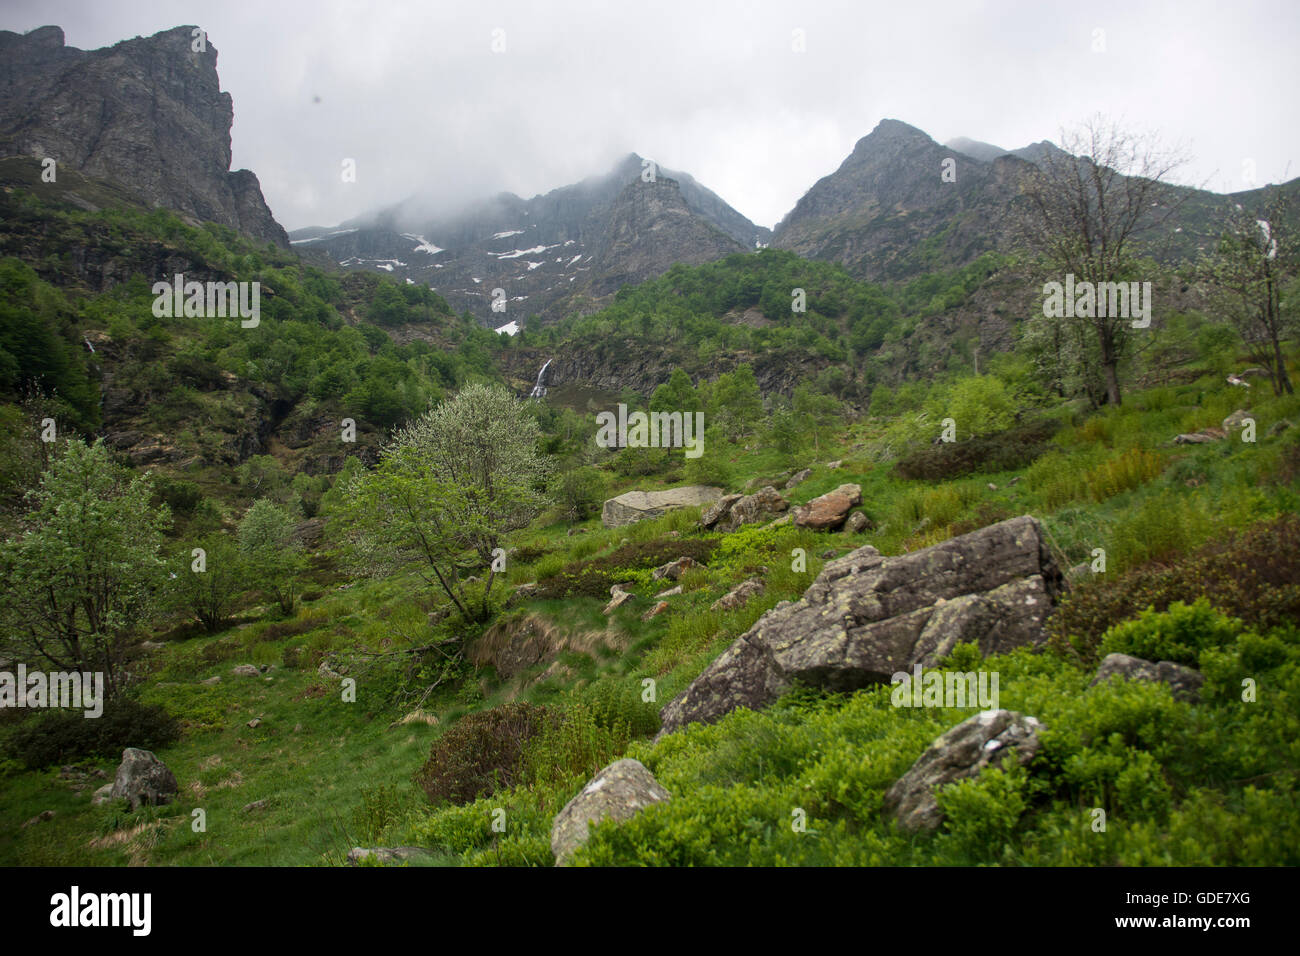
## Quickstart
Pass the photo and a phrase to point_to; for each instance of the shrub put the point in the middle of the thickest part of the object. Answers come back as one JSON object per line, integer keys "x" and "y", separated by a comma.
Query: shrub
{"x": 481, "y": 753}
{"x": 1002, "y": 451}
{"x": 1178, "y": 634}
{"x": 1252, "y": 575}
{"x": 579, "y": 494}
{"x": 65, "y": 736}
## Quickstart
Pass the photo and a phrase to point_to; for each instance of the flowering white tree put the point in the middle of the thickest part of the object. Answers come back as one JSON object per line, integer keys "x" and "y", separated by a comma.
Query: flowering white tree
{"x": 449, "y": 486}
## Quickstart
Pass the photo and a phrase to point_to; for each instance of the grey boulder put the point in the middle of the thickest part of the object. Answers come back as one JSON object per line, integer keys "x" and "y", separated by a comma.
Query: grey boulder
{"x": 633, "y": 506}
{"x": 867, "y": 617}
{"x": 732, "y": 511}
{"x": 143, "y": 779}
{"x": 1184, "y": 682}
{"x": 618, "y": 792}
{"x": 958, "y": 754}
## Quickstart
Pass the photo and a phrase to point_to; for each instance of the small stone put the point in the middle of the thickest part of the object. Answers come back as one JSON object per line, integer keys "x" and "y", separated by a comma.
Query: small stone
{"x": 619, "y": 598}
{"x": 656, "y": 610}
{"x": 798, "y": 478}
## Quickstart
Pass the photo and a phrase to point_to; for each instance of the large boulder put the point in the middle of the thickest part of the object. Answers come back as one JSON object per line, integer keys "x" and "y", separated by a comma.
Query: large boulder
{"x": 829, "y": 511}
{"x": 1184, "y": 682}
{"x": 867, "y": 617}
{"x": 633, "y": 506}
{"x": 143, "y": 778}
{"x": 621, "y": 790}
{"x": 732, "y": 511}
{"x": 959, "y": 753}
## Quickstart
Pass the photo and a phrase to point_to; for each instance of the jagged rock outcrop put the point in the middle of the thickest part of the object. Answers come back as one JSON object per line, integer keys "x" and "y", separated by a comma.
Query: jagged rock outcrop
{"x": 633, "y": 506}
{"x": 621, "y": 790}
{"x": 1184, "y": 682}
{"x": 867, "y": 617}
{"x": 650, "y": 227}
{"x": 958, "y": 754}
{"x": 143, "y": 779}
{"x": 147, "y": 114}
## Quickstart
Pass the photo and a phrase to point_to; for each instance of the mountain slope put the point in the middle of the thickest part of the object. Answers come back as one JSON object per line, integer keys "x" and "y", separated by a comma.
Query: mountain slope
{"x": 873, "y": 213}
{"x": 889, "y": 213}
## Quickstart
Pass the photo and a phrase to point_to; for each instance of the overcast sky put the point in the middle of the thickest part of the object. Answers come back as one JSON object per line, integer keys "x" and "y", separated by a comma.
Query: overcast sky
{"x": 416, "y": 94}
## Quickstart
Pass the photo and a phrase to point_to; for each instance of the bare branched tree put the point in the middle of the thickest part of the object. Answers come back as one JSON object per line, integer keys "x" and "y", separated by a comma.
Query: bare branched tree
{"x": 1256, "y": 259}
{"x": 1087, "y": 205}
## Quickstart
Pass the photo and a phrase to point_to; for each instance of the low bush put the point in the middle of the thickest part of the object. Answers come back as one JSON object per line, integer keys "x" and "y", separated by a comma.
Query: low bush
{"x": 481, "y": 753}
{"x": 67, "y": 736}
{"x": 1002, "y": 451}
{"x": 1253, "y": 575}
{"x": 1178, "y": 634}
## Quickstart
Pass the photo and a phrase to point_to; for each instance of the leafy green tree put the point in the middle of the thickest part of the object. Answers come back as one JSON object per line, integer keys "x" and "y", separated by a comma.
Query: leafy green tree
{"x": 447, "y": 488}
{"x": 83, "y": 569}
{"x": 262, "y": 476}
{"x": 978, "y": 405}
{"x": 1084, "y": 212}
{"x": 815, "y": 413}
{"x": 271, "y": 551}
{"x": 675, "y": 395}
{"x": 579, "y": 492}
{"x": 737, "y": 403}
{"x": 207, "y": 585}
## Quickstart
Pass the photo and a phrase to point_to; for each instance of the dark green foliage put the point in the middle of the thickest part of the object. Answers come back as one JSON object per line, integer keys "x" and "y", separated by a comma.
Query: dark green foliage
{"x": 1253, "y": 575}
{"x": 578, "y": 493}
{"x": 1002, "y": 451}
{"x": 179, "y": 495}
{"x": 40, "y": 348}
{"x": 481, "y": 753}
{"x": 62, "y": 736}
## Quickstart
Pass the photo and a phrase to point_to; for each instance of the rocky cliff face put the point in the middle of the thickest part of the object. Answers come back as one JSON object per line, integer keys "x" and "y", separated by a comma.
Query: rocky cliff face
{"x": 146, "y": 113}
{"x": 568, "y": 250}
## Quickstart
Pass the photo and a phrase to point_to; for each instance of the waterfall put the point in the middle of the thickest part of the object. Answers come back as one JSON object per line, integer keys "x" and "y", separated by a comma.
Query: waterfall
{"x": 539, "y": 389}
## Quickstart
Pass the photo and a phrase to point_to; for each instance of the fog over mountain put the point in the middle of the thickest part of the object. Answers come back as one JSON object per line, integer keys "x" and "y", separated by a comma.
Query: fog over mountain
{"x": 416, "y": 95}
